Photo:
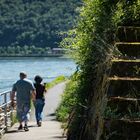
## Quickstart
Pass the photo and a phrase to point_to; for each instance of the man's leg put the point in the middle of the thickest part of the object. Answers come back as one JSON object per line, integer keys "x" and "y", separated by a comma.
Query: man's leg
{"x": 25, "y": 116}
{"x": 20, "y": 126}
{"x": 19, "y": 116}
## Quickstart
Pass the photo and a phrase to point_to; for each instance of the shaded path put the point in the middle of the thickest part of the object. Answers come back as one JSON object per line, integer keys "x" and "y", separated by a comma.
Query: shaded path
{"x": 50, "y": 129}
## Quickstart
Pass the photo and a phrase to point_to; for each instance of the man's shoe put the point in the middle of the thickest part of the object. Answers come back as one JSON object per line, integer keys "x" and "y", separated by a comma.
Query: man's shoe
{"x": 26, "y": 127}
{"x": 39, "y": 123}
{"x": 20, "y": 127}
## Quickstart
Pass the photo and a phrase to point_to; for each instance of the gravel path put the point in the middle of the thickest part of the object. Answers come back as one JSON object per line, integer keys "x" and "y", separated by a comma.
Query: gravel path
{"x": 51, "y": 129}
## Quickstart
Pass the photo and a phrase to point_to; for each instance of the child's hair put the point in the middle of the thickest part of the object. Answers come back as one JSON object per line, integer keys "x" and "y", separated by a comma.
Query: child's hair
{"x": 38, "y": 79}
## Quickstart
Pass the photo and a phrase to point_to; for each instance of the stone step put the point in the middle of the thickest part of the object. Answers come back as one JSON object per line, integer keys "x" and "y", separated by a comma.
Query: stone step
{"x": 126, "y": 60}
{"x": 125, "y": 68}
{"x": 122, "y": 129}
{"x": 128, "y": 34}
{"x": 123, "y": 99}
{"x": 129, "y": 49}
{"x": 115, "y": 78}
{"x": 124, "y": 87}
{"x": 124, "y": 107}
{"x": 122, "y": 113}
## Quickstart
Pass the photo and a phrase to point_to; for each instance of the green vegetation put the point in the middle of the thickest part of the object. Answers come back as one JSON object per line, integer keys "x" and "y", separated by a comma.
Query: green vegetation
{"x": 93, "y": 41}
{"x": 59, "y": 79}
{"x": 113, "y": 113}
{"x": 30, "y": 24}
{"x": 67, "y": 103}
{"x": 23, "y": 51}
{"x": 14, "y": 118}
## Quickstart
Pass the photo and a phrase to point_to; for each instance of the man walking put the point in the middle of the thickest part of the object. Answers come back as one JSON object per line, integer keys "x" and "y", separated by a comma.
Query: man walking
{"x": 24, "y": 91}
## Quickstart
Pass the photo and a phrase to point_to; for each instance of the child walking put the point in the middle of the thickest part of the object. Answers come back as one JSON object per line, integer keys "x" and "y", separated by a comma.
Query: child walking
{"x": 40, "y": 99}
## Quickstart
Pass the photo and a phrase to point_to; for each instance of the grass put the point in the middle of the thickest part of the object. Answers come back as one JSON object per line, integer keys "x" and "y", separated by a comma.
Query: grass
{"x": 67, "y": 103}
{"x": 56, "y": 81}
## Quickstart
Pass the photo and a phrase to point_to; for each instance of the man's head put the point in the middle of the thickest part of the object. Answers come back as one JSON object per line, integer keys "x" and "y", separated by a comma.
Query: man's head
{"x": 22, "y": 75}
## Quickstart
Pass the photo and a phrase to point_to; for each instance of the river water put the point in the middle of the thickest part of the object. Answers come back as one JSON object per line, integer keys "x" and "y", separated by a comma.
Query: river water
{"x": 48, "y": 67}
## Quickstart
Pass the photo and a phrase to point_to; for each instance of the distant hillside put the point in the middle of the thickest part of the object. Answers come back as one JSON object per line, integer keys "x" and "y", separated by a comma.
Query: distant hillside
{"x": 35, "y": 22}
